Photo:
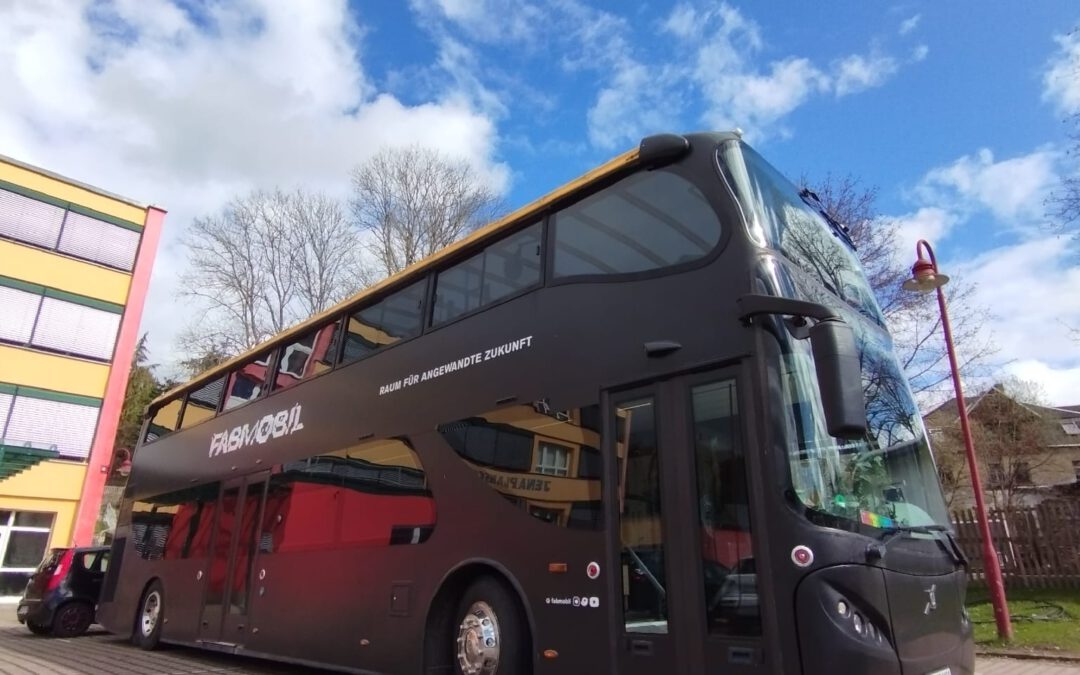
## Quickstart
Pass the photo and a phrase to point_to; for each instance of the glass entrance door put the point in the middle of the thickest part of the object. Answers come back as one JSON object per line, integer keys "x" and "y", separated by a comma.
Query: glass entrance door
{"x": 683, "y": 545}
{"x": 228, "y": 591}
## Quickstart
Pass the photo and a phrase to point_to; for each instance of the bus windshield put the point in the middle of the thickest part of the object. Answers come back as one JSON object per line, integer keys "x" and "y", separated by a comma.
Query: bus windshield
{"x": 886, "y": 479}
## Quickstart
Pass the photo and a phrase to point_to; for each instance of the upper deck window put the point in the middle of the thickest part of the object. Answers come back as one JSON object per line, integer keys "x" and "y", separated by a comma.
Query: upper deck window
{"x": 502, "y": 269}
{"x": 165, "y": 419}
{"x": 246, "y": 382}
{"x": 310, "y": 355}
{"x": 396, "y": 317}
{"x": 202, "y": 403}
{"x": 646, "y": 221}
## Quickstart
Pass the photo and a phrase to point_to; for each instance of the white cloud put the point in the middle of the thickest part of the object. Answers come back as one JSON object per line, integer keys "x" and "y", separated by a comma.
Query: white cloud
{"x": 1010, "y": 189}
{"x": 1061, "y": 81}
{"x": 1059, "y": 385}
{"x": 151, "y": 101}
{"x": 856, "y": 73}
{"x": 487, "y": 20}
{"x": 930, "y": 223}
{"x": 909, "y": 24}
{"x": 722, "y": 46}
{"x": 919, "y": 53}
{"x": 1034, "y": 290}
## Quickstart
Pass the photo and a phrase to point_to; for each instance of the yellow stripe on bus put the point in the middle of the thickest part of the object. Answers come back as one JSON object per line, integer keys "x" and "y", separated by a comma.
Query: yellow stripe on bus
{"x": 66, "y": 274}
{"x": 71, "y": 193}
{"x": 48, "y": 371}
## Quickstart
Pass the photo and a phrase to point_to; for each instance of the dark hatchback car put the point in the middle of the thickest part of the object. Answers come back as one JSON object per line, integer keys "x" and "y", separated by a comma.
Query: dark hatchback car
{"x": 61, "y": 597}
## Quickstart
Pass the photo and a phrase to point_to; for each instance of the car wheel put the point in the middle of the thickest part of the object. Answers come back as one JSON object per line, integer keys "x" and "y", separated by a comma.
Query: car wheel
{"x": 39, "y": 629}
{"x": 150, "y": 617}
{"x": 490, "y": 635}
{"x": 72, "y": 619}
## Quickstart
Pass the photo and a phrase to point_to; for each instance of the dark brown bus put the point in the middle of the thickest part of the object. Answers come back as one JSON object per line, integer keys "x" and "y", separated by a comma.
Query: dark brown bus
{"x": 650, "y": 423}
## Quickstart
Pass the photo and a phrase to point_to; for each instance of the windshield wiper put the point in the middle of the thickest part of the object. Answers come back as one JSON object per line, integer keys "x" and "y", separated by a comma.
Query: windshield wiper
{"x": 948, "y": 542}
{"x": 813, "y": 201}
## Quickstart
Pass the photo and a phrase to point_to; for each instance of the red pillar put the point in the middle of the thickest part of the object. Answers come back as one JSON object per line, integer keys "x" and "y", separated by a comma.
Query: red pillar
{"x": 109, "y": 419}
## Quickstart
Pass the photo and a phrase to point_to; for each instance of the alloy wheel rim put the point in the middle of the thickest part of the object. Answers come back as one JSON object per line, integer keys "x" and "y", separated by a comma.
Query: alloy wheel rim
{"x": 151, "y": 612}
{"x": 478, "y": 641}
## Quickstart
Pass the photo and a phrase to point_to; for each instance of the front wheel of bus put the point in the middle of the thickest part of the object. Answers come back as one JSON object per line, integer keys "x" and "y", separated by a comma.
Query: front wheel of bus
{"x": 150, "y": 617}
{"x": 491, "y": 633}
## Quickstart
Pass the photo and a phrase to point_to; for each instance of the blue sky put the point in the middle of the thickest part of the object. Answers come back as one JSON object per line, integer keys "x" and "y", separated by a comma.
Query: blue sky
{"x": 953, "y": 110}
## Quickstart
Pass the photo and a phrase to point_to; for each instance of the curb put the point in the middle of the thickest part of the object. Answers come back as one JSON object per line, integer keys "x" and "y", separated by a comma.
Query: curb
{"x": 1029, "y": 655}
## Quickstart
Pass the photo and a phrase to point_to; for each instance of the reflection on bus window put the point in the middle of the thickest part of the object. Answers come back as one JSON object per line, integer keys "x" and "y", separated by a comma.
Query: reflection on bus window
{"x": 544, "y": 461}
{"x": 246, "y": 382}
{"x": 175, "y": 525}
{"x": 731, "y": 599}
{"x": 311, "y": 355}
{"x": 503, "y": 268}
{"x": 371, "y": 494}
{"x": 395, "y": 317}
{"x": 640, "y": 528}
{"x": 203, "y": 402}
{"x": 166, "y": 419}
{"x": 646, "y": 221}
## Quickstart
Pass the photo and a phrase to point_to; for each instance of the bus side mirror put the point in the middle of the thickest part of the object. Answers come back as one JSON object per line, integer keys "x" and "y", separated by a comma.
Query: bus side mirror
{"x": 839, "y": 376}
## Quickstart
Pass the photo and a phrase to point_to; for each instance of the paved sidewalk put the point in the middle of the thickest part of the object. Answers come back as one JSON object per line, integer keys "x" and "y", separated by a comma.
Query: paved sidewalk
{"x": 97, "y": 652}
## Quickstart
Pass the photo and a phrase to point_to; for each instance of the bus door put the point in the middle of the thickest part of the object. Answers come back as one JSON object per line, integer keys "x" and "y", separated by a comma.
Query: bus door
{"x": 226, "y": 602}
{"x": 684, "y": 579}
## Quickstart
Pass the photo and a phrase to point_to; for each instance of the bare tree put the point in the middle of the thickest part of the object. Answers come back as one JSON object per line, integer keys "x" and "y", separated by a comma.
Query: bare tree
{"x": 1010, "y": 431}
{"x": 1063, "y": 205}
{"x": 414, "y": 201}
{"x": 266, "y": 261}
{"x": 913, "y": 318}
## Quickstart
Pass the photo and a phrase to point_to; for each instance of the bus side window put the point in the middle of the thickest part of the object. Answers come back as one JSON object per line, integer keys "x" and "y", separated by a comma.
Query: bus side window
{"x": 545, "y": 462}
{"x": 396, "y": 317}
{"x": 202, "y": 404}
{"x": 306, "y": 357}
{"x": 164, "y": 420}
{"x": 174, "y": 525}
{"x": 246, "y": 382}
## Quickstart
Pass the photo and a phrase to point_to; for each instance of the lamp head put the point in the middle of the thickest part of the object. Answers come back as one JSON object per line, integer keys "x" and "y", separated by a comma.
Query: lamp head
{"x": 924, "y": 277}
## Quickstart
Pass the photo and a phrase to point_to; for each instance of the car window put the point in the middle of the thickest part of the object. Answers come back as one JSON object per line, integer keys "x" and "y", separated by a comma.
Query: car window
{"x": 86, "y": 560}
{"x": 103, "y": 561}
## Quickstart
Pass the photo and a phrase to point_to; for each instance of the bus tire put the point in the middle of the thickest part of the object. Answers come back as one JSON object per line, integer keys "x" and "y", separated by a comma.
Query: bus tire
{"x": 72, "y": 619}
{"x": 150, "y": 617}
{"x": 39, "y": 628}
{"x": 490, "y": 636}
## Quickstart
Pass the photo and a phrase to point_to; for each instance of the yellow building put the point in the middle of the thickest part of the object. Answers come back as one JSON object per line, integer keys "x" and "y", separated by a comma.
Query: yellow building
{"x": 74, "y": 268}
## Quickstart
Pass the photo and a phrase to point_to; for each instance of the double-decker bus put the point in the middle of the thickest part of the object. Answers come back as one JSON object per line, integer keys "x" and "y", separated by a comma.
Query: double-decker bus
{"x": 651, "y": 422}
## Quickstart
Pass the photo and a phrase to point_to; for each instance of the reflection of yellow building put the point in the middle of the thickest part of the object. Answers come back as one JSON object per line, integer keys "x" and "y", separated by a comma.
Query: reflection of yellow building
{"x": 74, "y": 267}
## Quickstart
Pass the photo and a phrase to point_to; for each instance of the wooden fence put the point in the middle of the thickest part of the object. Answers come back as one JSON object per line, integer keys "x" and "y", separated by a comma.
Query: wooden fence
{"x": 1038, "y": 547}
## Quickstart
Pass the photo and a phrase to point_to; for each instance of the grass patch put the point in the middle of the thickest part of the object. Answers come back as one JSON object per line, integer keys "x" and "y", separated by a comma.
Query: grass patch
{"x": 1043, "y": 619}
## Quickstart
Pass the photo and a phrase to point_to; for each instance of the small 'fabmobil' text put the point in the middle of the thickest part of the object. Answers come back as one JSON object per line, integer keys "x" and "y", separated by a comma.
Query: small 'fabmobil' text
{"x": 274, "y": 425}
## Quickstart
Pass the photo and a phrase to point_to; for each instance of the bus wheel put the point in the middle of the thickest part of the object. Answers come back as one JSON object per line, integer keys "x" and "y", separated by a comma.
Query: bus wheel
{"x": 150, "y": 617}
{"x": 490, "y": 636}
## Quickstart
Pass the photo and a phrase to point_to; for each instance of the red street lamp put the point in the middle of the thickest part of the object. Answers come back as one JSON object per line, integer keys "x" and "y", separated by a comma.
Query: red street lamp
{"x": 925, "y": 278}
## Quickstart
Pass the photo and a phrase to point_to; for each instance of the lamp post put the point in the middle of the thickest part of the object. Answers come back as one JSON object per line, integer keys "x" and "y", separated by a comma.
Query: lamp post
{"x": 925, "y": 278}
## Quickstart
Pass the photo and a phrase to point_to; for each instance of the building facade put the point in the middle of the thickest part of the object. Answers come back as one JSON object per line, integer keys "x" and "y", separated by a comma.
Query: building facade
{"x": 75, "y": 264}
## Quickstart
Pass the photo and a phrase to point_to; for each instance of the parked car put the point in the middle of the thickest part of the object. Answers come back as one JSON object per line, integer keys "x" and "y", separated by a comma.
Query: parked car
{"x": 61, "y": 597}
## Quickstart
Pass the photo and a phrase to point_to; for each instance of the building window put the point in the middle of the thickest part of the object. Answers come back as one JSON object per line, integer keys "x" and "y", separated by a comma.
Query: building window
{"x": 1076, "y": 468}
{"x": 996, "y": 475}
{"x": 1023, "y": 473}
{"x": 1071, "y": 427}
{"x": 54, "y": 228}
{"x": 552, "y": 459}
{"x": 57, "y": 321}
{"x": 35, "y": 418}
{"x": 24, "y": 538}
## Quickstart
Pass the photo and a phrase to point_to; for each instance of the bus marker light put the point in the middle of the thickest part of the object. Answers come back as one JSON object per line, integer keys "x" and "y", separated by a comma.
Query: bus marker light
{"x": 593, "y": 570}
{"x": 802, "y": 556}
{"x": 551, "y": 654}
{"x": 842, "y": 608}
{"x": 557, "y": 568}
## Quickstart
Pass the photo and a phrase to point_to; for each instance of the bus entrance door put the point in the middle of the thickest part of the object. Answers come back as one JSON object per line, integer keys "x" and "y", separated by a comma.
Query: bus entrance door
{"x": 686, "y": 584}
{"x": 225, "y": 605}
